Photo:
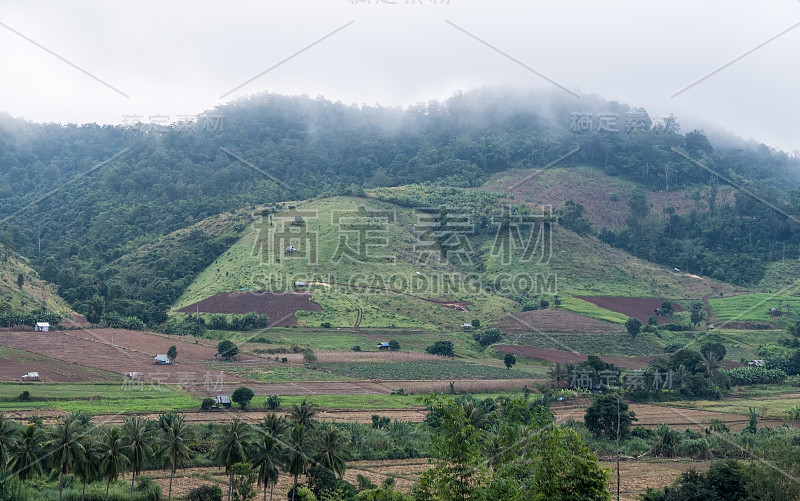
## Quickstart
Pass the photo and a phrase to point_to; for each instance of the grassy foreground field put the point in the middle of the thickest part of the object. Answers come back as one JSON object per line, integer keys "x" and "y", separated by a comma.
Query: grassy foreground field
{"x": 111, "y": 398}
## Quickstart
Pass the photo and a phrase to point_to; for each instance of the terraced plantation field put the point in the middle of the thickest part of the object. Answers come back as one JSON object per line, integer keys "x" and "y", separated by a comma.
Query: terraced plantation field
{"x": 753, "y": 307}
{"x": 553, "y": 320}
{"x": 420, "y": 370}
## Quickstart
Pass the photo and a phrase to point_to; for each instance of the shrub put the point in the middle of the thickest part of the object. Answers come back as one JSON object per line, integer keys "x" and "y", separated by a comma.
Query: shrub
{"x": 742, "y": 376}
{"x": 227, "y": 350}
{"x": 441, "y": 348}
{"x": 24, "y": 396}
{"x": 207, "y": 404}
{"x": 356, "y": 348}
{"x": 489, "y": 336}
{"x": 147, "y": 489}
{"x": 205, "y": 493}
{"x": 273, "y": 402}
{"x": 634, "y": 326}
{"x": 325, "y": 325}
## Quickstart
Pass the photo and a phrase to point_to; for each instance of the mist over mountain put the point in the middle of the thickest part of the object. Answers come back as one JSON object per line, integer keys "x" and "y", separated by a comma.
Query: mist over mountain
{"x": 76, "y": 198}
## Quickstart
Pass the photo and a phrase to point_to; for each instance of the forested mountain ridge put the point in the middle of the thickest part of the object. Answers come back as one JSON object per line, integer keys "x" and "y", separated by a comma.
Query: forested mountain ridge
{"x": 272, "y": 148}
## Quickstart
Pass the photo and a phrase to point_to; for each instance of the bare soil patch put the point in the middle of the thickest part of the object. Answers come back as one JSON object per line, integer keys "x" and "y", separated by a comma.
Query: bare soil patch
{"x": 637, "y": 475}
{"x": 568, "y": 356}
{"x": 50, "y": 370}
{"x": 553, "y": 320}
{"x": 280, "y": 307}
{"x": 651, "y": 416}
{"x": 635, "y": 307}
{"x": 95, "y": 349}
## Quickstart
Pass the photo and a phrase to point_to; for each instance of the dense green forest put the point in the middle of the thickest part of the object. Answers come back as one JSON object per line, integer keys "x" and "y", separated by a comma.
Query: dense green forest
{"x": 78, "y": 216}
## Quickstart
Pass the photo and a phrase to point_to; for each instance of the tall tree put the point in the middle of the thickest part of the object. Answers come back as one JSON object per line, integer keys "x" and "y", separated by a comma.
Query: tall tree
{"x": 330, "y": 447}
{"x": 233, "y": 445}
{"x": 174, "y": 449}
{"x": 303, "y": 413}
{"x": 113, "y": 461}
{"x": 28, "y": 452}
{"x": 88, "y": 462}
{"x": 8, "y": 438}
{"x": 267, "y": 459}
{"x": 299, "y": 443}
{"x": 64, "y": 447}
{"x": 138, "y": 445}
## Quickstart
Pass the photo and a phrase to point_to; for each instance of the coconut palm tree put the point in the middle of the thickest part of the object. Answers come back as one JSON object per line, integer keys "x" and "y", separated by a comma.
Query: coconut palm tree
{"x": 303, "y": 413}
{"x": 174, "y": 440}
{"x": 299, "y": 442}
{"x": 87, "y": 462}
{"x": 138, "y": 444}
{"x": 64, "y": 447}
{"x": 234, "y": 444}
{"x": 267, "y": 458}
{"x": 8, "y": 439}
{"x": 557, "y": 374}
{"x": 682, "y": 377}
{"x": 28, "y": 452}
{"x": 330, "y": 445}
{"x": 272, "y": 424}
{"x": 113, "y": 461}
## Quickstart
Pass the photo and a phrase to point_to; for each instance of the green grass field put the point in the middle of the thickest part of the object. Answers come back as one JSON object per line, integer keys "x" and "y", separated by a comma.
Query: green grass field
{"x": 96, "y": 398}
{"x": 588, "y": 309}
{"x": 752, "y": 307}
{"x": 278, "y": 374}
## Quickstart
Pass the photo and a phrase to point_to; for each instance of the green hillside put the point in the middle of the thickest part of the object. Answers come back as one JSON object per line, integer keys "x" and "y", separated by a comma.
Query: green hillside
{"x": 390, "y": 285}
{"x": 34, "y": 293}
{"x": 386, "y": 283}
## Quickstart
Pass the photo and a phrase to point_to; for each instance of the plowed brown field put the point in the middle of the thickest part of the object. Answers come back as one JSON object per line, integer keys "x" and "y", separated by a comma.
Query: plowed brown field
{"x": 280, "y": 307}
{"x": 635, "y": 307}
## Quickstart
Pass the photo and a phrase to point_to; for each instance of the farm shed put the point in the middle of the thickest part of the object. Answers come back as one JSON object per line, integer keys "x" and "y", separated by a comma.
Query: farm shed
{"x": 466, "y": 327}
{"x": 290, "y": 248}
{"x": 42, "y": 327}
{"x": 163, "y": 360}
{"x": 31, "y": 376}
{"x": 136, "y": 376}
{"x": 383, "y": 346}
{"x": 756, "y": 363}
{"x": 224, "y": 400}
{"x": 299, "y": 284}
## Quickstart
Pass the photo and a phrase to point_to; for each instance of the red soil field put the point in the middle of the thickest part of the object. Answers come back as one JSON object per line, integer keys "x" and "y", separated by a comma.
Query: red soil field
{"x": 568, "y": 356}
{"x": 94, "y": 349}
{"x": 634, "y": 307}
{"x": 50, "y": 370}
{"x": 280, "y": 307}
{"x": 552, "y": 320}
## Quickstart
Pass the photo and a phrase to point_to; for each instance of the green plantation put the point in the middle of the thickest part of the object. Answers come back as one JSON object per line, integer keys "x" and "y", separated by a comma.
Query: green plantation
{"x": 110, "y": 398}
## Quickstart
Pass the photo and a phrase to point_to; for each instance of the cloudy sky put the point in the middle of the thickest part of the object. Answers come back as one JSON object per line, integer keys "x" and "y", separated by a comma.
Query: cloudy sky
{"x": 84, "y": 61}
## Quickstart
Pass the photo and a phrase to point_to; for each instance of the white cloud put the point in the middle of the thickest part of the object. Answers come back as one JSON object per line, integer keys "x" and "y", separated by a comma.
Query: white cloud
{"x": 177, "y": 58}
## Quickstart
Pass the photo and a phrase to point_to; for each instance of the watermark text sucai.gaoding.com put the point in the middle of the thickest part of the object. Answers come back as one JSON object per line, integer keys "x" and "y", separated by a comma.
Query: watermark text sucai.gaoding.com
{"x": 418, "y": 283}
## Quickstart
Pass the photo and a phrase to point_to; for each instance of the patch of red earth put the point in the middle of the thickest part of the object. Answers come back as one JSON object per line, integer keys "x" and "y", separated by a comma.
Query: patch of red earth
{"x": 279, "y": 306}
{"x": 49, "y": 370}
{"x": 634, "y": 307}
{"x": 553, "y": 320}
{"x": 78, "y": 347}
{"x": 568, "y": 356}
